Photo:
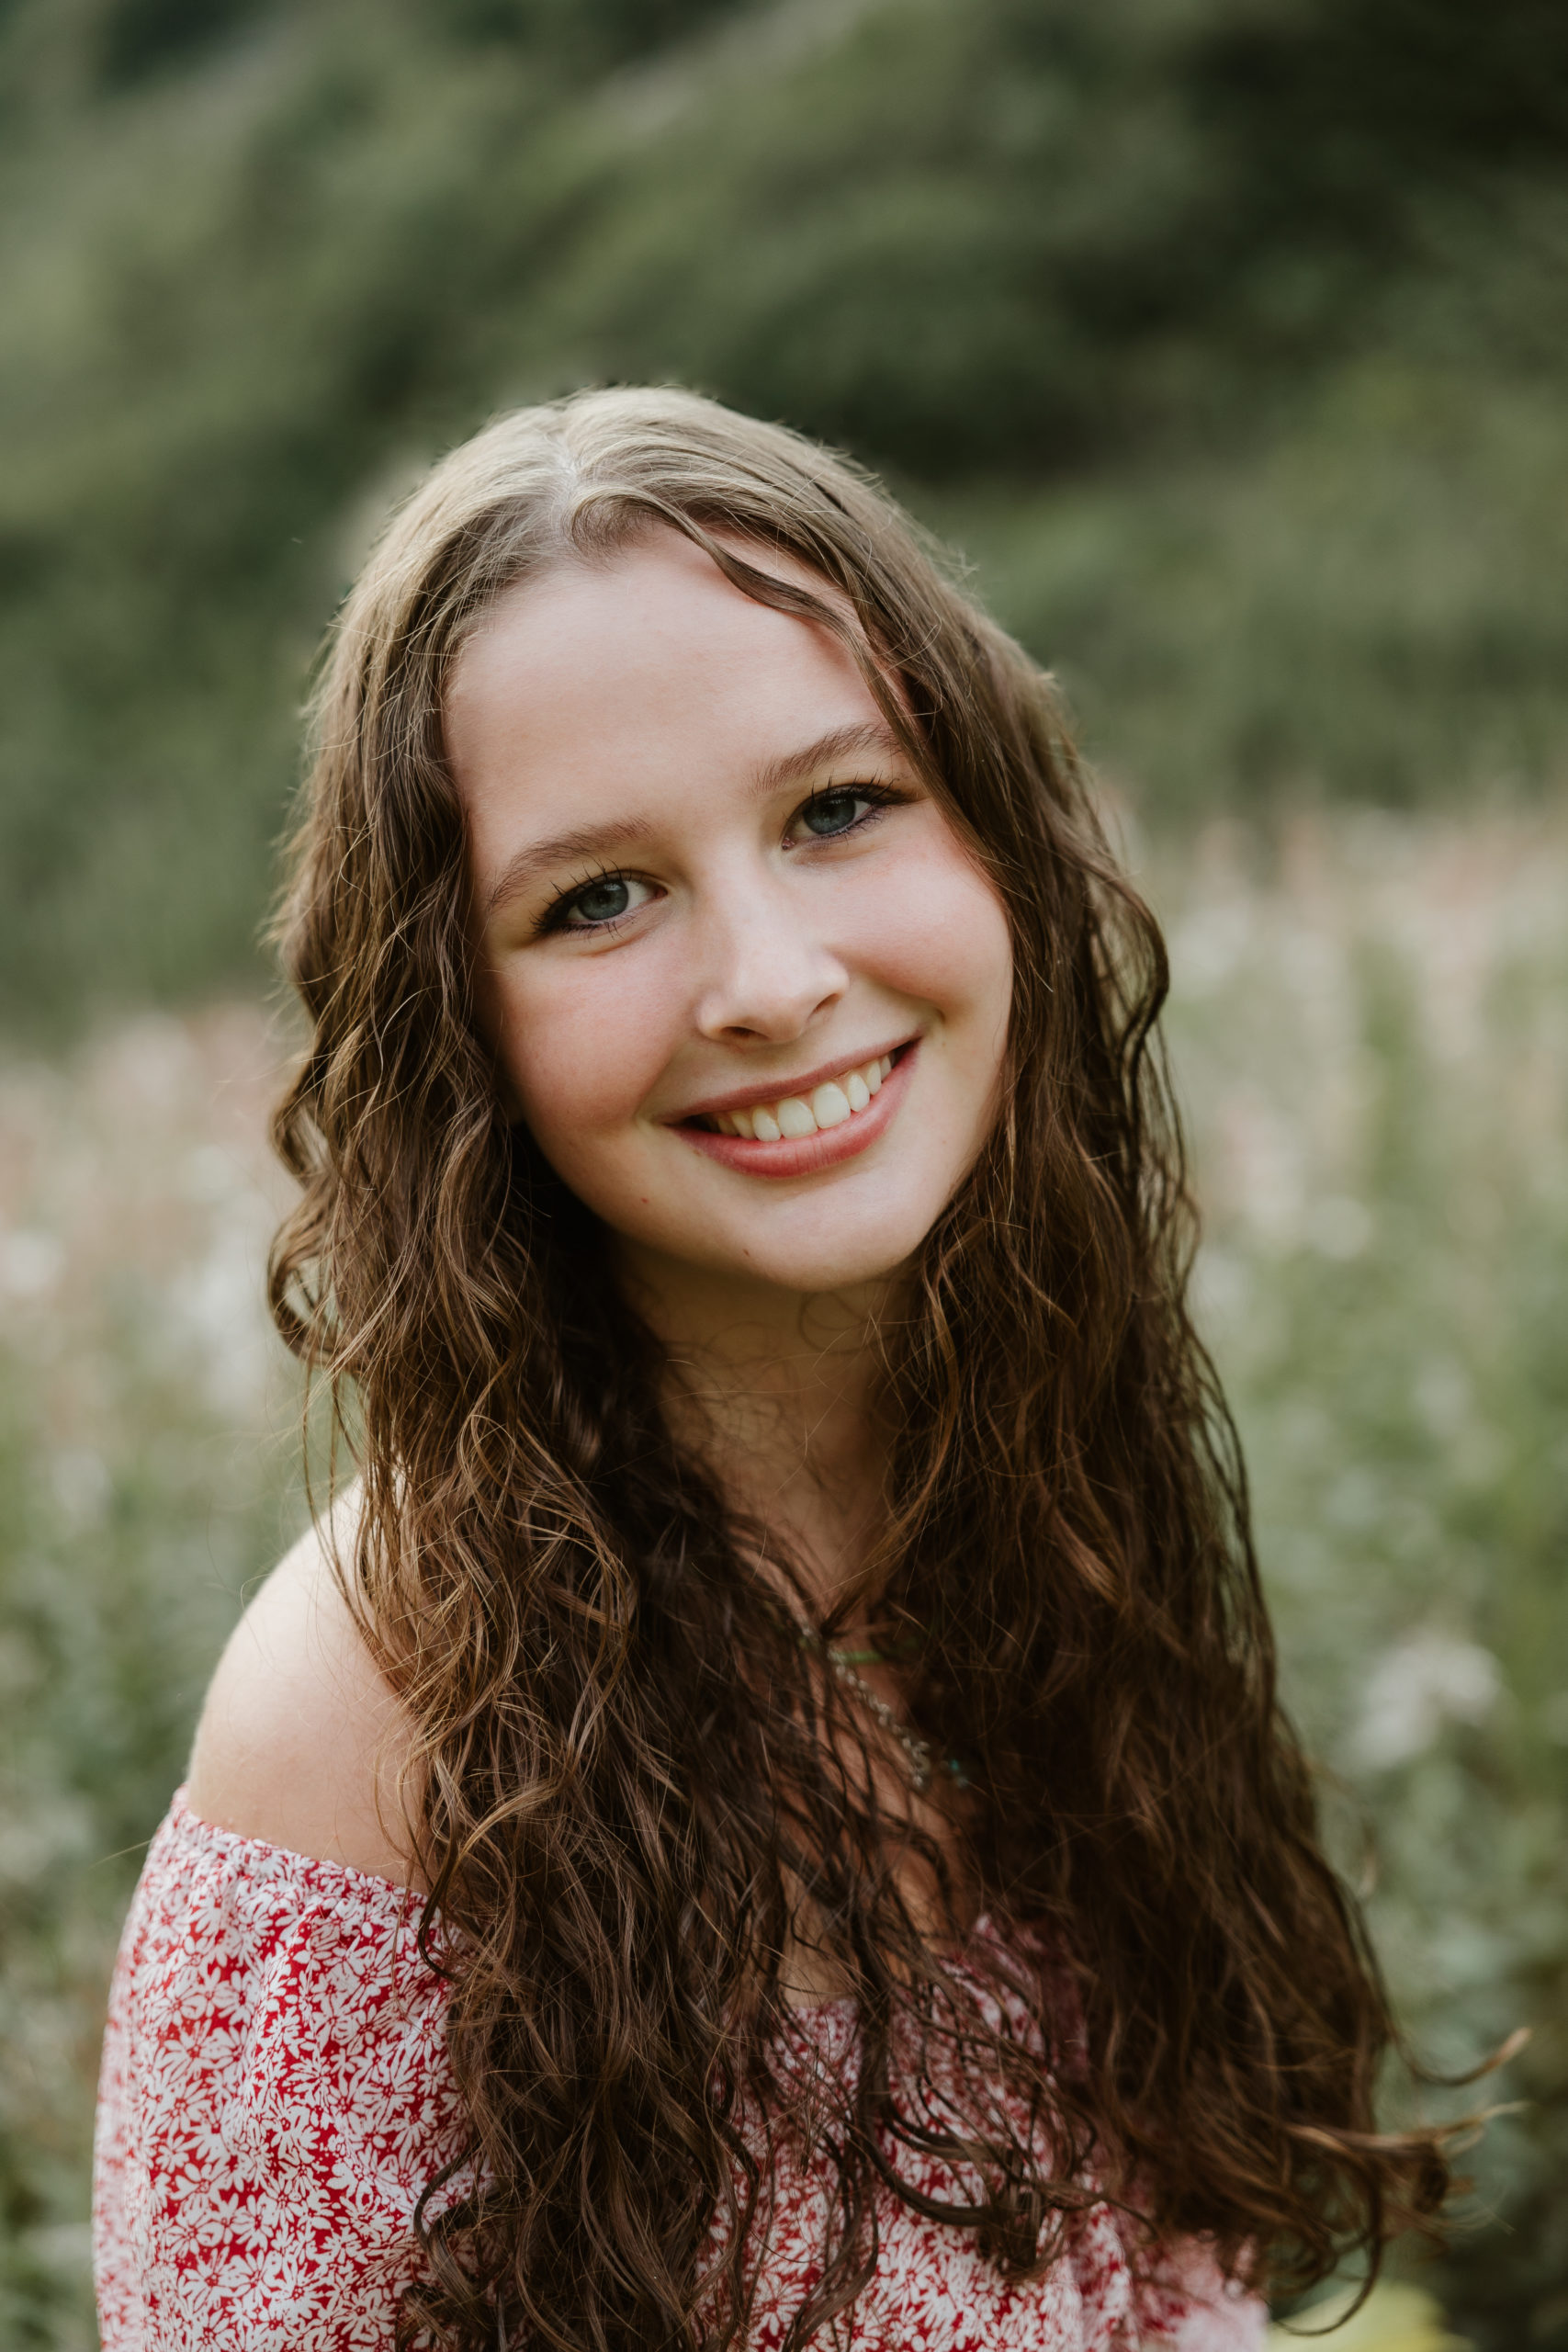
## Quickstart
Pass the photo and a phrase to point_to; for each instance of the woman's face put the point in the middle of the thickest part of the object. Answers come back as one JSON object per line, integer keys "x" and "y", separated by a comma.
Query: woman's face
{"x": 750, "y": 993}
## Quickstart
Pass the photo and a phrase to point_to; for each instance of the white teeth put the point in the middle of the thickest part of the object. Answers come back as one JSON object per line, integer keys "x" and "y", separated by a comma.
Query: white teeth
{"x": 831, "y": 1103}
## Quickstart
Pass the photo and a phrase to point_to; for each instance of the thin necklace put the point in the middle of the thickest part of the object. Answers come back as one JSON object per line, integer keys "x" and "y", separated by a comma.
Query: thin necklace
{"x": 921, "y": 1760}
{"x": 918, "y": 1758}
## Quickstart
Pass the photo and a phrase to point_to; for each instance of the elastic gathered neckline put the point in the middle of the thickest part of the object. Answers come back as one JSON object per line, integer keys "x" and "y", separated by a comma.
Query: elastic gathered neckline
{"x": 262, "y": 1858}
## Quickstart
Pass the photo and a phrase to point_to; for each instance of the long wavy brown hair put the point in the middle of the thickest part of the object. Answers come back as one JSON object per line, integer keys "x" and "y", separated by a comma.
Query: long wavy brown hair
{"x": 628, "y": 1788}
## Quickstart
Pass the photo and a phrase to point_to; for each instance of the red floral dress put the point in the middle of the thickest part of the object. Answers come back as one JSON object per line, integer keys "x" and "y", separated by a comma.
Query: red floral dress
{"x": 275, "y": 2093}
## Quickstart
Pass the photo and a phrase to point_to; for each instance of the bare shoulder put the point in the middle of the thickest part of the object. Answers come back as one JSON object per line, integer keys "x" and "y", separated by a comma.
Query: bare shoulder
{"x": 300, "y": 1737}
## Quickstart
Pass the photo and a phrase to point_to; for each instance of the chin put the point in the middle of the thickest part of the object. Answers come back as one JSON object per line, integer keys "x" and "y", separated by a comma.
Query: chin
{"x": 852, "y": 1261}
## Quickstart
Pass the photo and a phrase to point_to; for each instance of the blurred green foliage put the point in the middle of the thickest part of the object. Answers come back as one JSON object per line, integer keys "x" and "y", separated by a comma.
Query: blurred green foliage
{"x": 1229, "y": 339}
{"x": 1227, "y": 334}
{"x": 147, "y": 1453}
{"x": 1370, "y": 1023}
{"x": 1371, "y": 1032}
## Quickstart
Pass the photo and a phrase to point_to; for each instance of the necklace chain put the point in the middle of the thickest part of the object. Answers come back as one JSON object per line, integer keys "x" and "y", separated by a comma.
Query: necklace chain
{"x": 918, "y": 1760}
{"x": 921, "y": 1760}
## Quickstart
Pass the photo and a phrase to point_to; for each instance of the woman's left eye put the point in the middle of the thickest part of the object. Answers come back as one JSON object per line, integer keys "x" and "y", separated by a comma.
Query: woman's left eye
{"x": 826, "y": 813}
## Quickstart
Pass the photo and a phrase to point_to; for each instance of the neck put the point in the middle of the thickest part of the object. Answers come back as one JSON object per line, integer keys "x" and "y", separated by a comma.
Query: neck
{"x": 775, "y": 1392}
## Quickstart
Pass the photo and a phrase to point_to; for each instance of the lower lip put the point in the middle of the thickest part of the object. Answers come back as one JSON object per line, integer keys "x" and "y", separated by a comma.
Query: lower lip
{"x": 809, "y": 1155}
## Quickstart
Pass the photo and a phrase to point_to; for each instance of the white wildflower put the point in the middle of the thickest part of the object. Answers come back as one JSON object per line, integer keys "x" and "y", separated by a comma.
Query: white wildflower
{"x": 1424, "y": 1682}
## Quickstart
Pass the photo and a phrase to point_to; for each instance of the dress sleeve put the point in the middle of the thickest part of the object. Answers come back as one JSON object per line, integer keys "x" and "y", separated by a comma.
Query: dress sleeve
{"x": 274, "y": 2096}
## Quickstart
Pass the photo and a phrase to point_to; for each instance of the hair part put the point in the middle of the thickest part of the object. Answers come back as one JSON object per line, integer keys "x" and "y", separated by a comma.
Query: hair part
{"x": 621, "y": 1750}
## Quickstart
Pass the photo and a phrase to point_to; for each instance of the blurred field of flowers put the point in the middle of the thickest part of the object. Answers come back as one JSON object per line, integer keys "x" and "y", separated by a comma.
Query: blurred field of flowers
{"x": 1372, "y": 1042}
{"x": 145, "y": 1473}
{"x": 1370, "y": 1031}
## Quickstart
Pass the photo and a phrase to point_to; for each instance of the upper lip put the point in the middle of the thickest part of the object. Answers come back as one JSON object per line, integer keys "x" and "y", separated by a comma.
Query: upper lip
{"x": 770, "y": 1090}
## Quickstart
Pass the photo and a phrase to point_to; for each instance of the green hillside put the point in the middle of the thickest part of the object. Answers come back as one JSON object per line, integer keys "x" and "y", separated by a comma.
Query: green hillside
{"x": 1227, "y": 335}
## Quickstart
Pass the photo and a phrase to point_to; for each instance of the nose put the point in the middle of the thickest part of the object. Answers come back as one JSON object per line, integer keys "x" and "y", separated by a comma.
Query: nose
{"x": 766, "y": 974}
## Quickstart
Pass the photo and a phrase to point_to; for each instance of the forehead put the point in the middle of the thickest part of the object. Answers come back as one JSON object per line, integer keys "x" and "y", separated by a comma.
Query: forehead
{"x": 644, "y": 670}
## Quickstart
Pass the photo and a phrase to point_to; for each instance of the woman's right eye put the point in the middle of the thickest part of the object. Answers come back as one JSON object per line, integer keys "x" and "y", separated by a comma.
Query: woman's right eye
{"x": 601, "y": 902}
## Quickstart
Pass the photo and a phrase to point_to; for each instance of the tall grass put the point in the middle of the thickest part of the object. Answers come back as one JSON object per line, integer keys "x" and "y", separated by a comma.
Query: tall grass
{"x": 1371, "y": 1027}
{"x": 1370, "y": 1031}
{"x": 145, "y": 1473}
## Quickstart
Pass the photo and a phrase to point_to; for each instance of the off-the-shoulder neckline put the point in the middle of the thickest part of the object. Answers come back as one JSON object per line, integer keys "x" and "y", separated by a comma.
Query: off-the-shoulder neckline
{"x": 184, "y": 1819}
{"x": 287, "y": 1861}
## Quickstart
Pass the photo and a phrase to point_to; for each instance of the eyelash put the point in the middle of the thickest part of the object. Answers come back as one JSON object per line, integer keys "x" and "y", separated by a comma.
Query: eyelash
{"x": 555, "y": 914}
{"x": 880, "y": 796}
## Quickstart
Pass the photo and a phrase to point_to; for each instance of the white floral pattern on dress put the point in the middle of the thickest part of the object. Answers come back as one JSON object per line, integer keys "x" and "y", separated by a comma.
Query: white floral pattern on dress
{"x": 275, "y": 2093}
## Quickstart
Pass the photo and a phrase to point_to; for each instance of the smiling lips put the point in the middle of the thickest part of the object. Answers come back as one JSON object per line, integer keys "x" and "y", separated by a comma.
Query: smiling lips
{"x": 794, "y": 1116}
{"x": 803, "y": 1134}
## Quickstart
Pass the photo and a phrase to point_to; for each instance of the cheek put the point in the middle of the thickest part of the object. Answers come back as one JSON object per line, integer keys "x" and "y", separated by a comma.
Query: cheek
{"x": 943, "y": 938}
{"x": 581, "y": 1057}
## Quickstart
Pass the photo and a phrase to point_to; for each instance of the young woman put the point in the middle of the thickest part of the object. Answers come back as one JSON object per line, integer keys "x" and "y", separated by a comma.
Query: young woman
{"x": 761, "y": 1817}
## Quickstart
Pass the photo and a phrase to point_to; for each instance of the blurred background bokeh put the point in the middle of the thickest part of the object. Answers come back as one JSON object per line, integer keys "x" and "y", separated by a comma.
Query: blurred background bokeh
{"x": 1229, "y": 339}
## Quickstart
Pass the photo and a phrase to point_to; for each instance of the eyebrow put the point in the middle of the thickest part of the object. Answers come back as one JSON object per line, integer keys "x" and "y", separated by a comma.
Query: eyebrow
{"x": 844, "y": 743}
{"x": 601, "y": 840}
{"x": 560, "y": 849}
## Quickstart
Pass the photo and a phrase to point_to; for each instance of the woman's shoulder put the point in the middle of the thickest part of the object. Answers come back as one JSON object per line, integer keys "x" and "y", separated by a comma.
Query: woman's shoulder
{"x": 302, "y": 1738}
{"x": 275, "y": 2095}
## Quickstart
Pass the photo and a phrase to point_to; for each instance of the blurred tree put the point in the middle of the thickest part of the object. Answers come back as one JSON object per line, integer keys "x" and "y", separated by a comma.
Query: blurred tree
{"x": 138, "y": 38}
{"x": 1228, "y": 336}
{"x": 1112, "y": 286}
